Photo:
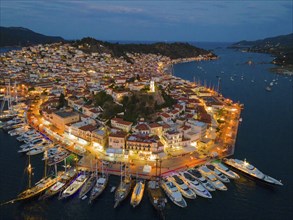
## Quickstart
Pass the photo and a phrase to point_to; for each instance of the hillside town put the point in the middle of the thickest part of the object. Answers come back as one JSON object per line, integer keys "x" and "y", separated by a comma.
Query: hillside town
{"x": 103, "y": 107}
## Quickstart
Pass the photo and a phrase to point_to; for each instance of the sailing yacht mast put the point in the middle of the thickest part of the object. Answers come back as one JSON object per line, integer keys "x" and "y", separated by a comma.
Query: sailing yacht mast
{"x": 29, "y": 170}
{"x": 46, "y": 159}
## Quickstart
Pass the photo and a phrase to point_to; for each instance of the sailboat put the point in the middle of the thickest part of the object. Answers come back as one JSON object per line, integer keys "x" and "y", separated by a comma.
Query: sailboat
{"x": 39, "y": 187}
{"x": 100, "y": 185}
{"x": 61, "y": 184}
{"x": 156, "y": 194}
{"x": 137, "y": 193}
{"x": 123, "y": 189}
{"x": 89, "y": 184}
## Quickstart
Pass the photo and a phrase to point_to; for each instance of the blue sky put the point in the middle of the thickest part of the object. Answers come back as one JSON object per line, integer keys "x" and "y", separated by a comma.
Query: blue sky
{"x": 219, "y": 20}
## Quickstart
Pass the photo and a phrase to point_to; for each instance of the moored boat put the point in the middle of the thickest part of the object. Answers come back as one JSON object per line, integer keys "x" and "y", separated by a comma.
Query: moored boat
{"x": 61, "y": 184}
{"x": 207, "y": 173}
{"x": 221, "y": 167}
{"x": 137, "y": 193}
{"x": 217, "y": 173}
{"x": 122, "y": 191}
{"x": 89, "y": 184}
{"x": 74, "y": 186}
{"x": 183, "y": 188}
{"x": 206, "y": 183}
{"x": 40, "y": 187}
{"x": 195, "y": 185}
{"x": 251, "y": 171}
{"x": 99, "y": 187}
{"x": 156, "y": 195}
{"x": 173, "y": 193}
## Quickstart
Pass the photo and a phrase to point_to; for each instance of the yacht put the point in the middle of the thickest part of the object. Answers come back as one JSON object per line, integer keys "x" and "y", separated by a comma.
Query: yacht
{"x": 251, "y": 171}
{"x": 25, "y": 135}
{"x": 35, "y": 151}
{"x": 221, "y": 167}
{"x": 89, "y": 184}
{"x": 207, "y": 173}
{"x": 218, "y": 174}
{"x": 183, "y": 188}
{"x": 18, "y": 131}
{"x": 27, "y": 147}
{"x": 206, "y": 183}
{"x": 39, "y": 187}
{"x": 38, "y": 148}
{"x": 13, "y": 126}
{"x": 137, "y": 193}
{"x": 156, "y": 195}
{"x": 122, "y": 190}
{"x": 195, "y": 185}
{"x": 60, "y": 185}
{"x": 173, "y": 193}
{"x": 74, "y": 186}
{"x": 32, "y": 138}
{"x": 99, "y": 187}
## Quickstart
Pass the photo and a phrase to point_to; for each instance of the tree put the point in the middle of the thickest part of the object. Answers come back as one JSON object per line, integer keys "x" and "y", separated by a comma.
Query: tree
{"x": 101, "y": 97}
{"x": 62, "y": 101}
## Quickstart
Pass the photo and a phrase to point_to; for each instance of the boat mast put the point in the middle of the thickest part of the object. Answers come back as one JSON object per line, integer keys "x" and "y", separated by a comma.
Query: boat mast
{"x": 46, "y": 158}
{"x": 55, "y": 165}
{"x": 29, "y": 170}
{"x": 121, "y": 172}
{"x": 65, "y": 164}
{"x": 97, "y": 167}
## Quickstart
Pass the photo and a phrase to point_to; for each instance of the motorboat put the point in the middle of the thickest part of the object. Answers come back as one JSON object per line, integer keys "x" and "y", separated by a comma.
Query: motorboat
{"x": 137, "y": 193}
{"x": 173, "y": 193}
{"x": 25, "y": 135}
{"x": 217, "y": 173}
{"x": 183, "y": 188}
{"x": 32, "y": 138}
{"x": 211, "y": 177}
{"x": 74, "y": 186}
{"x": 18, "y": 131}
{"x": 251, "y": 171}
{"x": 36, "y": 150}
{"x": 206, "y": 183}
{"x": 225, "y": 170}
{"x": 195, "y": 185}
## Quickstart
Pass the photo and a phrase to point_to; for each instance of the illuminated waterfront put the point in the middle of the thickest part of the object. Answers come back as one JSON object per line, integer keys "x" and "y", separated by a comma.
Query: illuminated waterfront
{"x": 255, "y": 142}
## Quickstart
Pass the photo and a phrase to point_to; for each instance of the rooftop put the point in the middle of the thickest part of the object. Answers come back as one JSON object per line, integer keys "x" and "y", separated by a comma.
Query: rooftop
{"x": 64, "y": 114}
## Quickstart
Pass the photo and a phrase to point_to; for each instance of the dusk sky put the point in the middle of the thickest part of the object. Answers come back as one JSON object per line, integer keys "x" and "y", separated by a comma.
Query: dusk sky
{"x": 152, "y": 20}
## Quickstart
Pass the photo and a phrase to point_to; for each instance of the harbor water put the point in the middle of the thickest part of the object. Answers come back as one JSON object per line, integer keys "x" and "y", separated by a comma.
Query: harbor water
{"x": 264, "y": 139}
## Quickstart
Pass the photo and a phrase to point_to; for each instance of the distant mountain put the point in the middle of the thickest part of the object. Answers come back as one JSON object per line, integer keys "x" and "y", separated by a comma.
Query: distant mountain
{"x": 280, "y": 46}
{"x": 172, "y": 50}
{"x": 279, "y": 41}
{"x": 18, "y": 36}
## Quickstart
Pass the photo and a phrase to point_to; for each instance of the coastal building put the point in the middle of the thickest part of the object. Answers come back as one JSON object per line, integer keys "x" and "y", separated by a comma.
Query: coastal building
{"x": 100, "y": 137}
{"x": 145, "y": 143}
{"x": 198, "y": 127}
{"x": 121, "y": 124}
{"x": 117, "y": 139}
{"x": 156, "y": 129}
{"x": 141, "y": 128}
{"x": 62, "y": 118}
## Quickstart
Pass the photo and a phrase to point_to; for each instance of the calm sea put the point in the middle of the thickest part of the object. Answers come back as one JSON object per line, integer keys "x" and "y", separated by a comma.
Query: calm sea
{"x": 264, "y": 139}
